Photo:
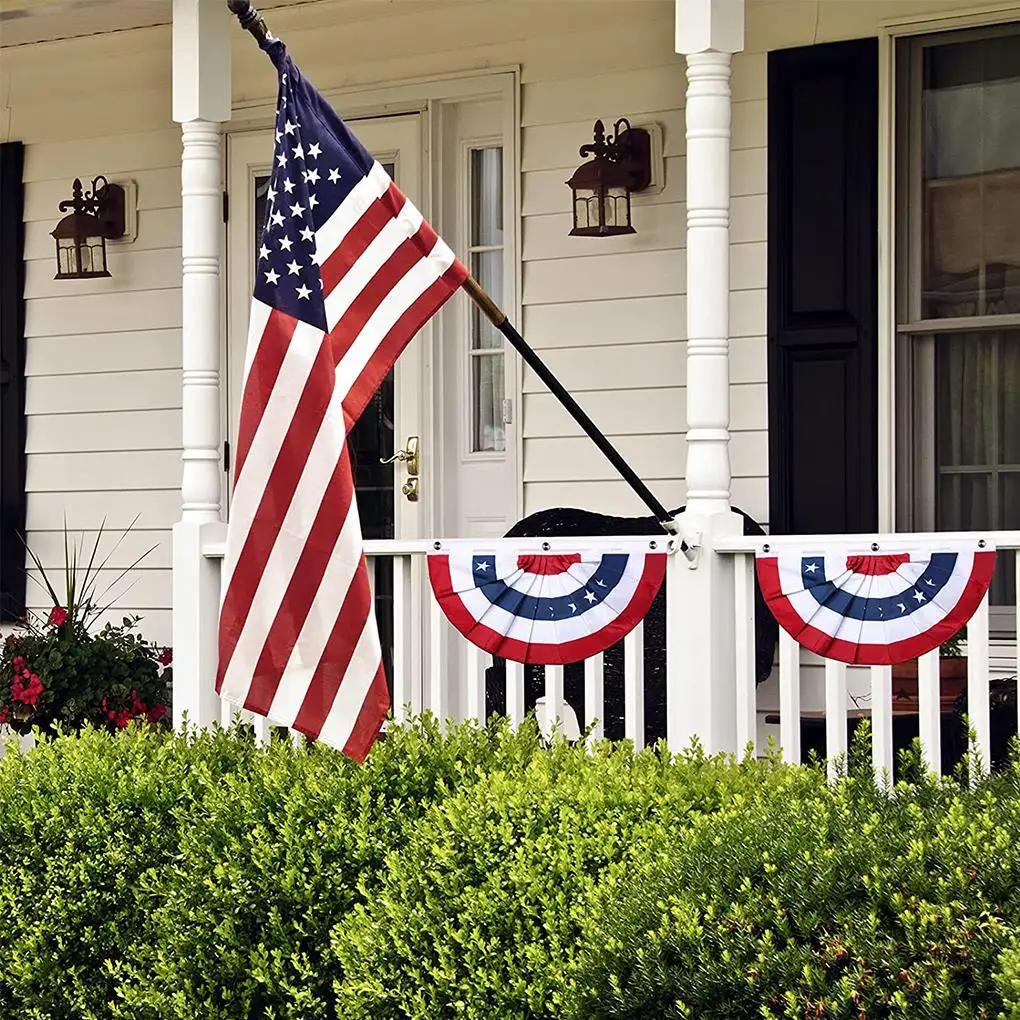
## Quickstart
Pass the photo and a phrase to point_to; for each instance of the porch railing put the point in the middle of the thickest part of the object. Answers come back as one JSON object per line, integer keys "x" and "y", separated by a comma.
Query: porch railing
{"x": 867, "y": 692}
{"x": 432, "y": 667}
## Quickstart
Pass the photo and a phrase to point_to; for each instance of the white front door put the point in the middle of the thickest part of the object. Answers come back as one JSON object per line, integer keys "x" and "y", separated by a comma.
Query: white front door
{"x": 395, "y": 415}
{"x": 391, "y": 500}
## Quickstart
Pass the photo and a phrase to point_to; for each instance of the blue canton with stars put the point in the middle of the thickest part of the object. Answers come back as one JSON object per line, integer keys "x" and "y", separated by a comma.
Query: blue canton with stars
{"x": 560, "y": 607}
{"x": 862, "y": 607}
{"x": 316, "y": 164}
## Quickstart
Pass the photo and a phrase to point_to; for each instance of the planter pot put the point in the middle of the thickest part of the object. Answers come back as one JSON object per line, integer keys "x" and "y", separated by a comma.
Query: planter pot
{"x": 953, "y": 683}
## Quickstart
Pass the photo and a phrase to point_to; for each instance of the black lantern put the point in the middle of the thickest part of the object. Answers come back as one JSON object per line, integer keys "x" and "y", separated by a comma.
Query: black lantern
{"x": 81, "y": 236}
{"x": 602, "y": 187}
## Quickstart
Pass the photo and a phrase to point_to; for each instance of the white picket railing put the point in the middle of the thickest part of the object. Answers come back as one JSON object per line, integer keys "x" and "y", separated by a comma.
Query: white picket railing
{"x": 845, "y": 688}
{"x": 432, "y": 667}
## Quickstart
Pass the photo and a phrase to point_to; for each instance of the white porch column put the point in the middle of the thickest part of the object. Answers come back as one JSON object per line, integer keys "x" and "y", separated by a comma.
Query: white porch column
{"x": 201, "y": 103}
{"x": 701, "y": 698}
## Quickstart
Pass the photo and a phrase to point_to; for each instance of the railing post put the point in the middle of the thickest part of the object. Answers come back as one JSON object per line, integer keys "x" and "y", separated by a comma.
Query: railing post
{"x": 196, "y": 603}
{"x": 701, "y": 669}
{"x": 201, "y": 103}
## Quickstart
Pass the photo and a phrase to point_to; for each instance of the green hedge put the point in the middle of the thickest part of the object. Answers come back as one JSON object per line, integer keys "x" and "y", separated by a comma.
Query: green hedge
{"x": 485, "y": 875}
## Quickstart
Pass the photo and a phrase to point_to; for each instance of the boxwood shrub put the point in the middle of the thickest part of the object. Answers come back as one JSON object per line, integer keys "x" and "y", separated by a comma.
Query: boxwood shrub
{"x": 481, "y": 873}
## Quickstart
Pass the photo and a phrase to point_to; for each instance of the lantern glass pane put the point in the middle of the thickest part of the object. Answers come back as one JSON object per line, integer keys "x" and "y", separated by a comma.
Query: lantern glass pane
{"x": 67, "y": 257}
{"x": 586, "y": 207}
{"x": 94, "y": 255}
{"x": 618, "y": 208}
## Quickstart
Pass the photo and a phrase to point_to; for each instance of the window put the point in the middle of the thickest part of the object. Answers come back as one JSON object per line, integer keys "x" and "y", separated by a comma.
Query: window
{"x": 485, "y": 353}
{"x": 958, "y": 300}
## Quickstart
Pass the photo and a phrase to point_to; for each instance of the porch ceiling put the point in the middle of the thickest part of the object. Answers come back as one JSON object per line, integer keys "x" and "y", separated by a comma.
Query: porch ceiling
{"x": 31, "y": 21}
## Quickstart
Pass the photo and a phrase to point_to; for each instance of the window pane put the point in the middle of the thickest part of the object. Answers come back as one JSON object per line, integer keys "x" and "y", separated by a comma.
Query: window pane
{"x": 971, "y": 188}
{"x": 1004, "y": 586}
{"x": 487, "y": 269}
{"x": 487, "y": 412}
{"x": 977, "y": 415}
{"x": 965, "y": 502}
{"x": 977, "y": 383}
{"x": 487, "y": 196}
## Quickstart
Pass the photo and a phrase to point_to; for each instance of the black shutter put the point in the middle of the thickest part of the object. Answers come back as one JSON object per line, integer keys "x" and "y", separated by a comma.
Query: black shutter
{"x": 822, "y": 311}
{"x": 12, "y": 381}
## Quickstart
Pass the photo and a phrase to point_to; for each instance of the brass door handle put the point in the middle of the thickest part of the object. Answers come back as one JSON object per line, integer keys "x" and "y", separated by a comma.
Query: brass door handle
{"x": 409, "y": 456}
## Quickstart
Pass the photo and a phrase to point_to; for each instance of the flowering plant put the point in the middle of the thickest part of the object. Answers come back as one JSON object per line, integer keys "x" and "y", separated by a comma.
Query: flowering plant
{"x": 58, "y": 668}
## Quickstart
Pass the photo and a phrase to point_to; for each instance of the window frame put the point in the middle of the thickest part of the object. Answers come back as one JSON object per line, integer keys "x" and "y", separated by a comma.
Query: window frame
{"x": 915, "y": 398}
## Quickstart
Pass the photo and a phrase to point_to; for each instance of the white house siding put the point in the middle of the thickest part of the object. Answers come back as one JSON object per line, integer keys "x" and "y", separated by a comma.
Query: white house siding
{"x": 103, "y": 394}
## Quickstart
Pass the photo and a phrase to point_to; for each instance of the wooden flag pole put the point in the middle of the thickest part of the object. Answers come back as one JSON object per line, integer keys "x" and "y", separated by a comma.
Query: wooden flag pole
{"x": 252, "y": 22}
{"x": 496, "y": 316}
{"x": 250, "y": 19}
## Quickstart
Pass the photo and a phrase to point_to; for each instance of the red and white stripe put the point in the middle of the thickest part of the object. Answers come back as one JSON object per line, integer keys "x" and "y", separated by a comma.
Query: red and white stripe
{"x": 298, "y": 641}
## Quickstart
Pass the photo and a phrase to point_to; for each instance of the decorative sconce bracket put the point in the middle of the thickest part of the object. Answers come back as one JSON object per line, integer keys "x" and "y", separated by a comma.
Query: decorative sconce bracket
{"x": 629, "y": 147}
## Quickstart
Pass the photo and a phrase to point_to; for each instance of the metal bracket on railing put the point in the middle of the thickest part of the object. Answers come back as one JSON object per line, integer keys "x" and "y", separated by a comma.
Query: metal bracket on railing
{"x": 690, "y": 546}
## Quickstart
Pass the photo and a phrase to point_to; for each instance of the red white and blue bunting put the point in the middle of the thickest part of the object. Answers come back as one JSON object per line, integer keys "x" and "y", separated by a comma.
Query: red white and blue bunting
{"x": 878, "y": 607}
{"x": 526, "y": 601}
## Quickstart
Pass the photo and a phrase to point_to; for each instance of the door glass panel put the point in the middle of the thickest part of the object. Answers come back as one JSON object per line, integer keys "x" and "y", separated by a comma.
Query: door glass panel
{"x": 485, "y": 353}
{"x": 370, "y": 441}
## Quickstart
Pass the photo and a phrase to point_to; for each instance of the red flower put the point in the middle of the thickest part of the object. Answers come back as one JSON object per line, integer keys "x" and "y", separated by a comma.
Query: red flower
{"x": 18, "y": 662}
{"x": 156, "y": 713}
{"x": 123, "y": 718}
{"x": 3, "y": 716}
{"x": 58, "y": 616}
{"x": 28, "y": 695}
{"x": 166, "y": 656}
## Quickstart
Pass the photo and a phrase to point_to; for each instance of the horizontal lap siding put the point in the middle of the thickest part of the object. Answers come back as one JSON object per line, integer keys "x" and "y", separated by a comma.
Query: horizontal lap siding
{"x": 608, "y": 314}
{"x": 103, "y": 393}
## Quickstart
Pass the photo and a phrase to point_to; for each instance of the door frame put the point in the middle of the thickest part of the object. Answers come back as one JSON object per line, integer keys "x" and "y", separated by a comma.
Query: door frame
{"x": 422, "y": 97}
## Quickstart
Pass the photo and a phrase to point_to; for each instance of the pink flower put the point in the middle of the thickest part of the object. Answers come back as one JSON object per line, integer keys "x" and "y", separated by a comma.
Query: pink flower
{"x": 18, "y": 662}
{"x": 156, "y": 713}
{"x": 166, "y": 656}
{"x": 58, "y": 616}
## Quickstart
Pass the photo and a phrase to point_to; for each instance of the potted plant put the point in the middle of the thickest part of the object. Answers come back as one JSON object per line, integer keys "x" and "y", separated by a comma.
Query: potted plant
{"x": 62, "y": 668}
{"x": 952, "y": 677}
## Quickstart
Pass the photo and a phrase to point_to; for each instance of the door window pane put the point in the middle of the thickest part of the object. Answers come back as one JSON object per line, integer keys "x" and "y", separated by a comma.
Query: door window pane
{"x": 487, "y": 196}
{"x": 485, "y": 347}
{"x": 971, "y": 186}
{"x": 487, "y": 383}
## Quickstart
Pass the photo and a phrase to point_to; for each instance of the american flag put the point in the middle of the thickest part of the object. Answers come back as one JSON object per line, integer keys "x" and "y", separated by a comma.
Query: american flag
{"x": 347, "y": 273}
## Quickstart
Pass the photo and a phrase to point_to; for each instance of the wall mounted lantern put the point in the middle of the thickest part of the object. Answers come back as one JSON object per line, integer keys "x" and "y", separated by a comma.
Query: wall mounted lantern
{"x": 602, "y": 187}
{"x": 81, "y": 236}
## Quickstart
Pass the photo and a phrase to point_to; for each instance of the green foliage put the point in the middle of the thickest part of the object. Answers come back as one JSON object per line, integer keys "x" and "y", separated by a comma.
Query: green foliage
{"x": 486, "y": 874}
{"x": 55, "y": 671}
{"x": 835, "y": 902}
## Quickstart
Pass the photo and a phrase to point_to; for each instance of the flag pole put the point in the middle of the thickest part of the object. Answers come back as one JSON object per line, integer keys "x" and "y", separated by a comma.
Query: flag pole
{"x": 498, "y": 318}
{"x": 251, "y": 21}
